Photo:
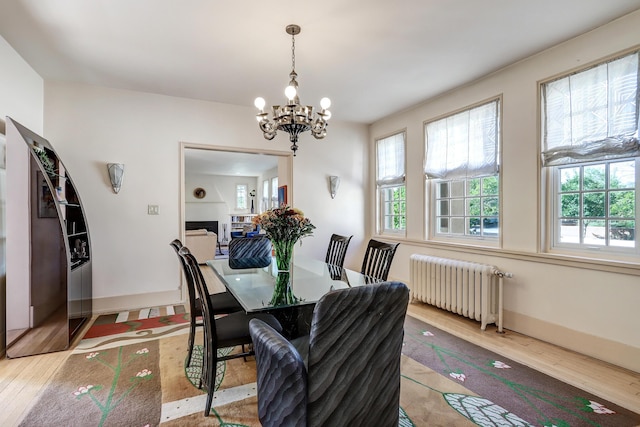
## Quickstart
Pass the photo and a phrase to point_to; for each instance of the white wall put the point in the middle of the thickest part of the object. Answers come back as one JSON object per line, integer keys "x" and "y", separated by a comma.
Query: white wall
{"x": 219, "y": 203}
{"x": 21, "y": 98}
{"x": 133, "y": 265}
{"x": 591, "y": 311}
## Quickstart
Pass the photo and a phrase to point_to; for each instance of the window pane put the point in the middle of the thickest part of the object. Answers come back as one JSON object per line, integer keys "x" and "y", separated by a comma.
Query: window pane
{"x": 443, "y": 207}
{"x": 443, "y": 225}
{"x": 595, "y": 233}
{"x": 457, "y": 188}
{"x": 443, "y": 189}
{"x": 570, "y": 205}
{"x": 570, "y": 179}
{"x": 622, "y": 175}
{"x": 393, "y": 208}
{"x": 622, "y": 233}
{"x": 457, "y": 207}
{"x": 593, "y": 205}
{"x": 570, "y": 231}
{"x": 473, "y": 206}
{"x": 473, "y": 187}
{"x": 622, "y": 204}
{"x": 490, "y": 185}
{"x": 594, "y": 177}
{"x": 490, "y": 206}
{"x": 241, "y": 196}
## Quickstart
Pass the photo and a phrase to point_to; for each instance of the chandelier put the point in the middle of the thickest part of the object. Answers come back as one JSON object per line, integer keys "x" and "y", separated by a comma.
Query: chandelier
{"x": 293, "y": 118}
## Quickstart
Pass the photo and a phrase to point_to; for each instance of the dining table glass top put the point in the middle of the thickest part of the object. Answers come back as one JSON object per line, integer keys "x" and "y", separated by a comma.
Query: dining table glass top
{"x": 309, "y": 279}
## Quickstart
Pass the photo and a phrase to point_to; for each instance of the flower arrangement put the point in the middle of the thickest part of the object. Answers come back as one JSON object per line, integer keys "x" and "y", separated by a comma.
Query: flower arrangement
{"x": 284, "y": 224}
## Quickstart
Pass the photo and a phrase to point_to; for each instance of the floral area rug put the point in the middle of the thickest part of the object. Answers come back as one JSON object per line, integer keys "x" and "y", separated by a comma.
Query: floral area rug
{"x": 509, "y": 393}
{"x": 139, "y": 378}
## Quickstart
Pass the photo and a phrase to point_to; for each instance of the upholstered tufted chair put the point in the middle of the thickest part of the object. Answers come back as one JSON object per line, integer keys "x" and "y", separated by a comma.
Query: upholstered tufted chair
{"x": 347, "y": 373}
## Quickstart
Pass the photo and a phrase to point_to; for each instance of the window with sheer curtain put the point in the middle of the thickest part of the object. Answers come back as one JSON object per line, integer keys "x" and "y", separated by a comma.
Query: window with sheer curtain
{"x": 390, "y": 182}
{"x": 462, "y": 172}
{"x": 591, "y": 156}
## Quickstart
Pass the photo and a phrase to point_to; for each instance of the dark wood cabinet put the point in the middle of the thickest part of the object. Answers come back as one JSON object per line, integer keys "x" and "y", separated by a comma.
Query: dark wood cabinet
{"x": 59, "y": 298}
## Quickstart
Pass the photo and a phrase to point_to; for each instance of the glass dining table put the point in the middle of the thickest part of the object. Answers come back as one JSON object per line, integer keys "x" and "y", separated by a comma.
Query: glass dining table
{"x": 310, "y": 279}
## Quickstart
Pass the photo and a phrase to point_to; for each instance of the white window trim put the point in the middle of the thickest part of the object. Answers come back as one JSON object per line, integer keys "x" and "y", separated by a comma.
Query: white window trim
{"x": 431, "y": 191}
{"x": 549, "y": 177}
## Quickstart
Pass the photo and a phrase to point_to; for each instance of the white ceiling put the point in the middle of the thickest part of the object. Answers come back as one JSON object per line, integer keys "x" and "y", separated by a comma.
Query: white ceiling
{"x": 371, "y": 57}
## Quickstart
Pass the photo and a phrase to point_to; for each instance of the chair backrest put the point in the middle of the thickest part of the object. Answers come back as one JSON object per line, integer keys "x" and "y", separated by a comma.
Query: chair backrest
{"x": 250, "y": 247}
{"x": 208, "y": 317}
{"x": 193, "y": 307}
{"x": 337, "y": 249}
{"x": 377, "y": 259}
{"x": 355, "y": 345}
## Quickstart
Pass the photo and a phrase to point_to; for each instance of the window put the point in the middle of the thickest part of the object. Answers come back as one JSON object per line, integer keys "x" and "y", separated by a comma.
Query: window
{"x": 241, "y": 196}
{"x": 274, "y": 192}
{"x": 590, "y": 152}
{"x": 390, "y": 179}
{"x": 462, "y": 171}
{"x": 265, "y": 195}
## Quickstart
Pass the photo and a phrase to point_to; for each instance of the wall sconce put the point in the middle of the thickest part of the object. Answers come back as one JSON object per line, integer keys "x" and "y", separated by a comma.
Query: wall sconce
{"x": 116, "y": 172}
{"x": 334, "y": 183}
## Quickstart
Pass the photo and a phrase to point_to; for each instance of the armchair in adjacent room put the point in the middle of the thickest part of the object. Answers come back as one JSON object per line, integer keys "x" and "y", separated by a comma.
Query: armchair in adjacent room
{"x": 202, "y": 244}
{"x": 346, "y": 372}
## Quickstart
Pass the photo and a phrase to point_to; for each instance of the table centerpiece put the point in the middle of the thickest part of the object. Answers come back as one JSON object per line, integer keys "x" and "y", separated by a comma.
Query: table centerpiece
{"x": 284, "y": 226}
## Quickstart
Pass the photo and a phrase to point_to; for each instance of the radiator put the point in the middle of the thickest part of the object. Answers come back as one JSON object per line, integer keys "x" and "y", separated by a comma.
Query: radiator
{"x": 467, "y": 288}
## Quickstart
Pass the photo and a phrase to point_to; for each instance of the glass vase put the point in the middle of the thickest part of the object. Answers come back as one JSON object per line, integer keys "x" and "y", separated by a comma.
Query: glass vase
{"x": 284, "y": 252}
{"x": 282, "y": 292}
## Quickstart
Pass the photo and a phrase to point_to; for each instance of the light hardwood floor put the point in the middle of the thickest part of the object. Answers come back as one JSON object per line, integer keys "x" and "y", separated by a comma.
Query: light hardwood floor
{"x": 22, "y": 379}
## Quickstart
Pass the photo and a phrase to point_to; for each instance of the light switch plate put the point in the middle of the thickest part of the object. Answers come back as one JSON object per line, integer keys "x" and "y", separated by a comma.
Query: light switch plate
{"x": 153, "y": 210}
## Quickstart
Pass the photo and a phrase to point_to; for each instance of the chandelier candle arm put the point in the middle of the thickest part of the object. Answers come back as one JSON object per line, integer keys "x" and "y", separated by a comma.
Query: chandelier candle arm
{"x": 293, "y": 118}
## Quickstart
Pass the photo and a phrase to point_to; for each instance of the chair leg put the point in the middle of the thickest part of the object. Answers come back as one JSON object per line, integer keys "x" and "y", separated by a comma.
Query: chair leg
{"x": 211, "y": 383}
{"x": 192, "y": 335}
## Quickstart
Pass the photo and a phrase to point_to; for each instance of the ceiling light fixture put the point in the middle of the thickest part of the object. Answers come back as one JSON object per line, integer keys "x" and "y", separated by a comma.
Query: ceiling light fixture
{"x": 293, "y": 118}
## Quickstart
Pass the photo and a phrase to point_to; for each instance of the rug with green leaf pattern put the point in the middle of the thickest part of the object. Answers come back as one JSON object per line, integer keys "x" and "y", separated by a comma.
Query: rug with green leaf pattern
{"x": 138, "y": 378}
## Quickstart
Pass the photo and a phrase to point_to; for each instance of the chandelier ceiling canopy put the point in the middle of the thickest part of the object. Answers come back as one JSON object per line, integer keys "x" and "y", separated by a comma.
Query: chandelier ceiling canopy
{"x": 293, "y": 118}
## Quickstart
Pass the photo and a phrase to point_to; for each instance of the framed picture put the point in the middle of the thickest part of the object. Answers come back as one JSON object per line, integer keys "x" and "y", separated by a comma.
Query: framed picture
{"x": 46, "y": 204}
{"x": 282, "y": 195}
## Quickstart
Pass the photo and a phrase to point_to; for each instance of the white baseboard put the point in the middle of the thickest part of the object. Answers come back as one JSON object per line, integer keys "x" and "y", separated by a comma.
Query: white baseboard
{"x": 616, "y": 353}
{"x": 136, "y": 302}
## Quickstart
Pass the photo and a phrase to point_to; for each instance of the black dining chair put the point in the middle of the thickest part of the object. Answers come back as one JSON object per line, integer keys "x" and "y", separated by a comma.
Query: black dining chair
{"x": 250, "y": 252}
{"x": 377, "y": 259}
{"x": 223, "y": 302}
{"x": 337, "y": 249}
{"x": 222, "y": 332}
{"x": 346, "y": 373}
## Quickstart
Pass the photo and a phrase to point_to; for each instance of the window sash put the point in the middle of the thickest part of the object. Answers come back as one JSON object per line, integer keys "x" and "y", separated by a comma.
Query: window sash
{"x": 592, "y": 114}
{"x": 465, "y": 144}
{"x": 393, "y": 209}
{"x": 241, "y": 196}
{"x": 591, "y": 206}
{"x": 390, "y": 160}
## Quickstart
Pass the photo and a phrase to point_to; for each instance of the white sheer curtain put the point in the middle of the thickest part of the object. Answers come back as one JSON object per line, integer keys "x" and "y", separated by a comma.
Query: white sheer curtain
{"x": 391, "y": 160}
{"x": 592, "y": 115}
{"x": 464, "y": 145}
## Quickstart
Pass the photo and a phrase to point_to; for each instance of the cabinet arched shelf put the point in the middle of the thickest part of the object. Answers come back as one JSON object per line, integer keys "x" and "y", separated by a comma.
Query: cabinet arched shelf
{"x": 59, "y": 298}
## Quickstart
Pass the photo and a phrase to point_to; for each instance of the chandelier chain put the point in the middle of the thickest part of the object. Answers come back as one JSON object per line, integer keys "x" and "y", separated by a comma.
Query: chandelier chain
{"x": 293, "y": 52}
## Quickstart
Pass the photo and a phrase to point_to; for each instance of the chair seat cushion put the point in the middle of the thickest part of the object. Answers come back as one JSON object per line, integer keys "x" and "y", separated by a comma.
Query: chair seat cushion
{"x": 223, "y": 303}
{"x": 233, "y": 329}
